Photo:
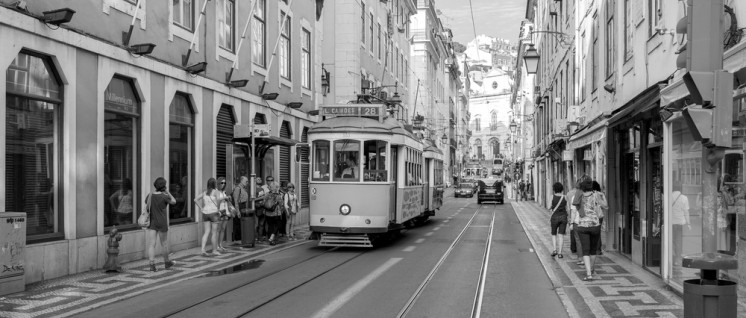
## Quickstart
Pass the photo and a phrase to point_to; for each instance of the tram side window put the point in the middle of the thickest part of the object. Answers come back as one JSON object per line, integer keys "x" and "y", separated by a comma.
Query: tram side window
{"x": 346, "y": 160}
{"x": 374, "y": 155}
{"x": 321, "y": 160}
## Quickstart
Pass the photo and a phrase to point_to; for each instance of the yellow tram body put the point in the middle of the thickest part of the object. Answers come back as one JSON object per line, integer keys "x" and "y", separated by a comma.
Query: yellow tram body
{"x": 368, "y": 176}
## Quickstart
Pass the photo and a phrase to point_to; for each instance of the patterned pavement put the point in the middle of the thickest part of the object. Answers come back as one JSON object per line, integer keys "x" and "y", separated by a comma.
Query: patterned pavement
{"x": 72, "y": 294}
{"x": 621, "y": 288}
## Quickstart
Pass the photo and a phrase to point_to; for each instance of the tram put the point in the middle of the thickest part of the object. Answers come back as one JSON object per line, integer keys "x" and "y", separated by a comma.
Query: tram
{"x": 497, "y": 166}
{"x": 370, "y": 177}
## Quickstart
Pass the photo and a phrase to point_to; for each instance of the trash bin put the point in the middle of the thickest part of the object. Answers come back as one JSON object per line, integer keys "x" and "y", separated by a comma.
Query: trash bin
{"x": 710, "y": 296}
{"x": 248, "y": 228}
{"x": 12, "y": 252}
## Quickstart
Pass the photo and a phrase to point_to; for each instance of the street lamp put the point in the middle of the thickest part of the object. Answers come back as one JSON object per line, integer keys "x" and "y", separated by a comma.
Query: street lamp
{"x": 531, "y": 58}
{"x": 513, "y": 126}
{"x": 444, "y": 139}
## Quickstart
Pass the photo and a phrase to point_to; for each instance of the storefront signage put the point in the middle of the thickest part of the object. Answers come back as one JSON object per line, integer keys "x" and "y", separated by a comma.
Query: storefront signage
{"x": 739, "y": 132}
{"x": 568, "y": 155}
{"x": 119, "y": 96}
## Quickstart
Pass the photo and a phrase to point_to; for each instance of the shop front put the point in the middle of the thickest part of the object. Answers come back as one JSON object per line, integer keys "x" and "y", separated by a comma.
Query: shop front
{"x": 635, "y": 184}
{"x": 688, "y": 230}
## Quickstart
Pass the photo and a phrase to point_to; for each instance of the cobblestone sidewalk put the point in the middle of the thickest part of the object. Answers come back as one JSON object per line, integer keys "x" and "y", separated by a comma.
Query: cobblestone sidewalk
{"x": 66, "y": 296}
{"x": 621, "y": 289}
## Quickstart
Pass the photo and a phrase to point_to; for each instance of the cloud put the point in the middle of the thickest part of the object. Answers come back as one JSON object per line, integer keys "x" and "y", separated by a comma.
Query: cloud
{"x": 498, "y": 18}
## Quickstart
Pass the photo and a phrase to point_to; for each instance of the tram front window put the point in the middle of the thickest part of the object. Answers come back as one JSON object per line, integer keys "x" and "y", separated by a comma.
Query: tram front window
{"x": 374, "y": 153}
{"x": 346, "y": 160}
{"x": 320, "y": 160}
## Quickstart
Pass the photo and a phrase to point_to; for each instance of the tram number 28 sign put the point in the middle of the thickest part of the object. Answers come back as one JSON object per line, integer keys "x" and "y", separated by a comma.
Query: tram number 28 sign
{"x": 367, "y": 110}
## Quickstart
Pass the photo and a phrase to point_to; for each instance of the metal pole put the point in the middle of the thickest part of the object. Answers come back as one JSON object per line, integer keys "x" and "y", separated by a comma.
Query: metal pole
{"x": 253, "y": 169}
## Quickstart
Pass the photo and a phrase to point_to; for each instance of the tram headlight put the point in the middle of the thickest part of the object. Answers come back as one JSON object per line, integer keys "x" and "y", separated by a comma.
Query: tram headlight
{"x": 322, "y": 220}
{"x": 367, "y": 221}
{"x": 345, "y": 209}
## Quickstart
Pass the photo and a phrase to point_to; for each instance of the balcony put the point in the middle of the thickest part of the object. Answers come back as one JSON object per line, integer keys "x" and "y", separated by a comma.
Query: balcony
{"x": 424, "y": 3}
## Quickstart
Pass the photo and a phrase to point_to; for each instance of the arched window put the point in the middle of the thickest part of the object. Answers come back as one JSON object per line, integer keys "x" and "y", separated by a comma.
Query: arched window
{"x": 121, "y": 144}
{"x": 33, "y": 122}
{"x": 493, "y": 120}
{"x": 181, "y": 157}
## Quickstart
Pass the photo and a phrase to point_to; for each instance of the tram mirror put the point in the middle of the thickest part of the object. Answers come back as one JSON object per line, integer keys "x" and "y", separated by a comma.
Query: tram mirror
{"x": 301, "y": 153}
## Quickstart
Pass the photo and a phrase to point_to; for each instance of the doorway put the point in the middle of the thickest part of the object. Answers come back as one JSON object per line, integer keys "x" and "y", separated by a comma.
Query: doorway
{"x": 654, "y": 219}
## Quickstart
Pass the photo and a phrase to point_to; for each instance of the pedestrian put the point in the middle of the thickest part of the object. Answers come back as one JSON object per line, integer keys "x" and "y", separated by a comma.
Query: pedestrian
{"x": 521, "y": 188}
{"x": 589, "y": 207}
{"x": 574, "y": 241}
{"x": 158, "y": 228}
{"x": 528, "y": 191}
{"x": 597, "y": 189}
{"x": 558, "y": 221}
{"x": 224, "y": 212}
{"x": 241, "y": 199}
{"x": 291, "y": 209}
{"x": 210, "y": 201}
{"x": 273, "y": 210}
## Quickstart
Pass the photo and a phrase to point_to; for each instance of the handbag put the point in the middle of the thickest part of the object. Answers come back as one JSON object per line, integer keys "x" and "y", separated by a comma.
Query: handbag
{"x": 144, "y": 220}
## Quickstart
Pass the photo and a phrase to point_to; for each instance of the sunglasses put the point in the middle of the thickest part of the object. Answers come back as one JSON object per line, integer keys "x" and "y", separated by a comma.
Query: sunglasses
{"x": 222, "y": 183}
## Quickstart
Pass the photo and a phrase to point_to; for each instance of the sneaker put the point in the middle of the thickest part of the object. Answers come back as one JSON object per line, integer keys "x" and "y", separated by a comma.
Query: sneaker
{"x": 169, "y": 264}
{"x": 152, "y": 267}
{"x": 216, "y": 253}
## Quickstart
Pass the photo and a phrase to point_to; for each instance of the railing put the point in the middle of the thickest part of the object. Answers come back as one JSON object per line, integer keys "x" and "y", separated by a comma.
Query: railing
{"x": 424, "y": 3}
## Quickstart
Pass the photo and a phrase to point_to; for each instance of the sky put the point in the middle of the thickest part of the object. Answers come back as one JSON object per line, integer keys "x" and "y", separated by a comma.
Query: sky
{"x": 496, "y": 18}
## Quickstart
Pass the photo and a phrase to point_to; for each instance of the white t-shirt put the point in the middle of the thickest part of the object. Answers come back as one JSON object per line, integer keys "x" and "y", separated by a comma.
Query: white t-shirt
{"x": 679, "y": 208}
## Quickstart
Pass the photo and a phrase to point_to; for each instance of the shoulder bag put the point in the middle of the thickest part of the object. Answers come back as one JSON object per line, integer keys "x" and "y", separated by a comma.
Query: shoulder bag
{"x": 562, "y": 198}
{"x": 144, "y": 220}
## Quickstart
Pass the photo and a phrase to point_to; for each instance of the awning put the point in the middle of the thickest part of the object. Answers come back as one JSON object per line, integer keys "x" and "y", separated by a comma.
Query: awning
{"x": 641, "y": 103}
{"x": 587, "y": 136}
{"x": 673, "y": 95}
{"x": 265, "y": 143}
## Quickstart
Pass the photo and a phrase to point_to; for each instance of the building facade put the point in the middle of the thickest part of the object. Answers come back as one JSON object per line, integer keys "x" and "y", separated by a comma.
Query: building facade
{"x": 91, "y": 123}
{"x": 627, "y": 130}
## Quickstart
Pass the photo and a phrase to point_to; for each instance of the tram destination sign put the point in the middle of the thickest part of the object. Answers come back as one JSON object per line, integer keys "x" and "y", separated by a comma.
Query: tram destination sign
{"x": 353, "y": 110}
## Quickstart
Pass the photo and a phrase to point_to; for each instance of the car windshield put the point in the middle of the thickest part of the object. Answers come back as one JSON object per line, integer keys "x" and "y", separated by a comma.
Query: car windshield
{"x": 465, "y": 185}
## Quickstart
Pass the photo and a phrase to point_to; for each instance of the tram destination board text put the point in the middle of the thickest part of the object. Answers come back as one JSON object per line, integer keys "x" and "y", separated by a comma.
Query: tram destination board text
{"x": 352, "y": 111}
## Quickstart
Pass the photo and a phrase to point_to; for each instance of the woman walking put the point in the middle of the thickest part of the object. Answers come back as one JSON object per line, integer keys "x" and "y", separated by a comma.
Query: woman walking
{"x": 597, "y": 190}
{"x": 224, "y": 213}
{"x": 589, "y": 206}
{"x": 158, "y": 228}
{"x": 273, "y": 210}
{"x": 558, "y": 221}
{"x": 211, "y": 200}
{"x": 291, "y": 208}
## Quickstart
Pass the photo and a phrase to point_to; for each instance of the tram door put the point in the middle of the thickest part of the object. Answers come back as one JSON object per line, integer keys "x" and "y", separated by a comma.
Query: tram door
{"x": 394, "y": 181}
{"x": 428, "y": 182}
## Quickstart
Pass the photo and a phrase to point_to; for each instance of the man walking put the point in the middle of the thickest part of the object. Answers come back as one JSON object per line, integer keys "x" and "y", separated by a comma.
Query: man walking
{"x": 521, "y": 189}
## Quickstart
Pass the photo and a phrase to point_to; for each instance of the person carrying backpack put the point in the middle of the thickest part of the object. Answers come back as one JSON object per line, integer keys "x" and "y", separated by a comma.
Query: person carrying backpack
{"x": 273, "y": 207}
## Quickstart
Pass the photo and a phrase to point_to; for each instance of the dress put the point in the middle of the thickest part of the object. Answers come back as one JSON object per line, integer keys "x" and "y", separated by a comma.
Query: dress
{"x": 158, "y": 216}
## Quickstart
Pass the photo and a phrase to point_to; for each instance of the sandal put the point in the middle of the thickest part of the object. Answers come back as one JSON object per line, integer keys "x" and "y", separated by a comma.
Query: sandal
{"x": 588, "y": 278}
{"x": 554, "y": 253}
{"x": 560, "y": 256}
{"x": 272, "y": 242}
{"x": 580, "y": 262}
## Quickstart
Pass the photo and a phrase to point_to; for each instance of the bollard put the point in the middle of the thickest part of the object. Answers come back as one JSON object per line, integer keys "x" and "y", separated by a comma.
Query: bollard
{"x": 112, "y": 252}
{"x": 709, "y": 296}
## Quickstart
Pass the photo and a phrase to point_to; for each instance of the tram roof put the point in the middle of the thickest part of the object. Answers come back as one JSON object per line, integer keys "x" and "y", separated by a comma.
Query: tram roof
{"x": 361, "y": 125}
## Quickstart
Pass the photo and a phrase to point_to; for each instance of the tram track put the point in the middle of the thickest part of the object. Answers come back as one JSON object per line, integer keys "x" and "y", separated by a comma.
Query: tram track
{"x": 476, "y": 306}
{"x": 185, "y": 311}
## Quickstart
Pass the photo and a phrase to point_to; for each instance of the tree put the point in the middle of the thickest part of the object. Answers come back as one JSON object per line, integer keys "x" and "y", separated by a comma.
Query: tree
{"x": 458, "y": 47}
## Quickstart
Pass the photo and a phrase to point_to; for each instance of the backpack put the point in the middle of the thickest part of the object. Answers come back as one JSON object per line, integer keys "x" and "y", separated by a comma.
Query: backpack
{"x": 269, "y": 201}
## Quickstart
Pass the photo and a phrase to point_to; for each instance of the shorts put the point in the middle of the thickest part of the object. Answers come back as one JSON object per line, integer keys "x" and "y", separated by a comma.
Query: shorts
{"x": 558, "y": 224}
{"x": 212, "y": 217}
{"x": 590, "y": 238}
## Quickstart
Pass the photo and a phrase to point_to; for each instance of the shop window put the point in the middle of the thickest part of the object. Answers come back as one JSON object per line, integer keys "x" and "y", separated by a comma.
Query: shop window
{"x": 181, "y": 157}
{"x": 121, "y": 144}
{"x": 33, "y": 124}
{"x": 320, "y": 160}
{"x": 347, "y": 160}
{"x": 374, "y": 155}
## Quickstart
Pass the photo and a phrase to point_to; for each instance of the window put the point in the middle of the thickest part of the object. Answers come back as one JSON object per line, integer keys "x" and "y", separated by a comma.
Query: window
{"x": 181, "y": 157}
{"x": 610, "y": 38}
{"x": 347, "y": 160}
{"x": 305, "y": 58}
{"x": 224, "y": 13}
{"x": 628, "y": 30}
{"x": 583, "y": 66}
{"x": 184, "y": 13}
{"x": 259, "y": 34}
{"x": 375, "y": 166}
{"x": 395, "y": 69}
{"x": 285, "y": 46}
{"x": 654, "y": 16}
{"x": 406, "y": 72}
{"x": 478, "y": 124}
{"x": 362, "y": 21}
{"x": 594, "y": 58}
{"x": 493, "y": 121}
{"x": 401, "y": 66}
{"x": 320, "y": 160}
{"x": 380, "y": 44}
{"x": 371, "y": 33}
{"x": 121, "y": 144}
{"x": 33, "y": 122}
{"x": 413, "y": 166}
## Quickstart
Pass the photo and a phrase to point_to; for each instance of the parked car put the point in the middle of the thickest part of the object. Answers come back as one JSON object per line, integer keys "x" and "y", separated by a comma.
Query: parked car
{"x": 491, "y": 190}
{"x": 464, "y": 189}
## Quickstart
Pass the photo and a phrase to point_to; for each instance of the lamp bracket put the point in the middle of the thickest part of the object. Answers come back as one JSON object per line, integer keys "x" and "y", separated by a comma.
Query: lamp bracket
{"x": 563, "y": 38}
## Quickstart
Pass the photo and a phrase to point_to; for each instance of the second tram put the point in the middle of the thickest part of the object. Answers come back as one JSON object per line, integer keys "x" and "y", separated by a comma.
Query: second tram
{"x": 370, "y": 177}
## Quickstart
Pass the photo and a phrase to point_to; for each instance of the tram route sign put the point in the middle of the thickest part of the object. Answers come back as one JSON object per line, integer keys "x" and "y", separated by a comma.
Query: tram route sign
{"x": 353, "y": 110}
